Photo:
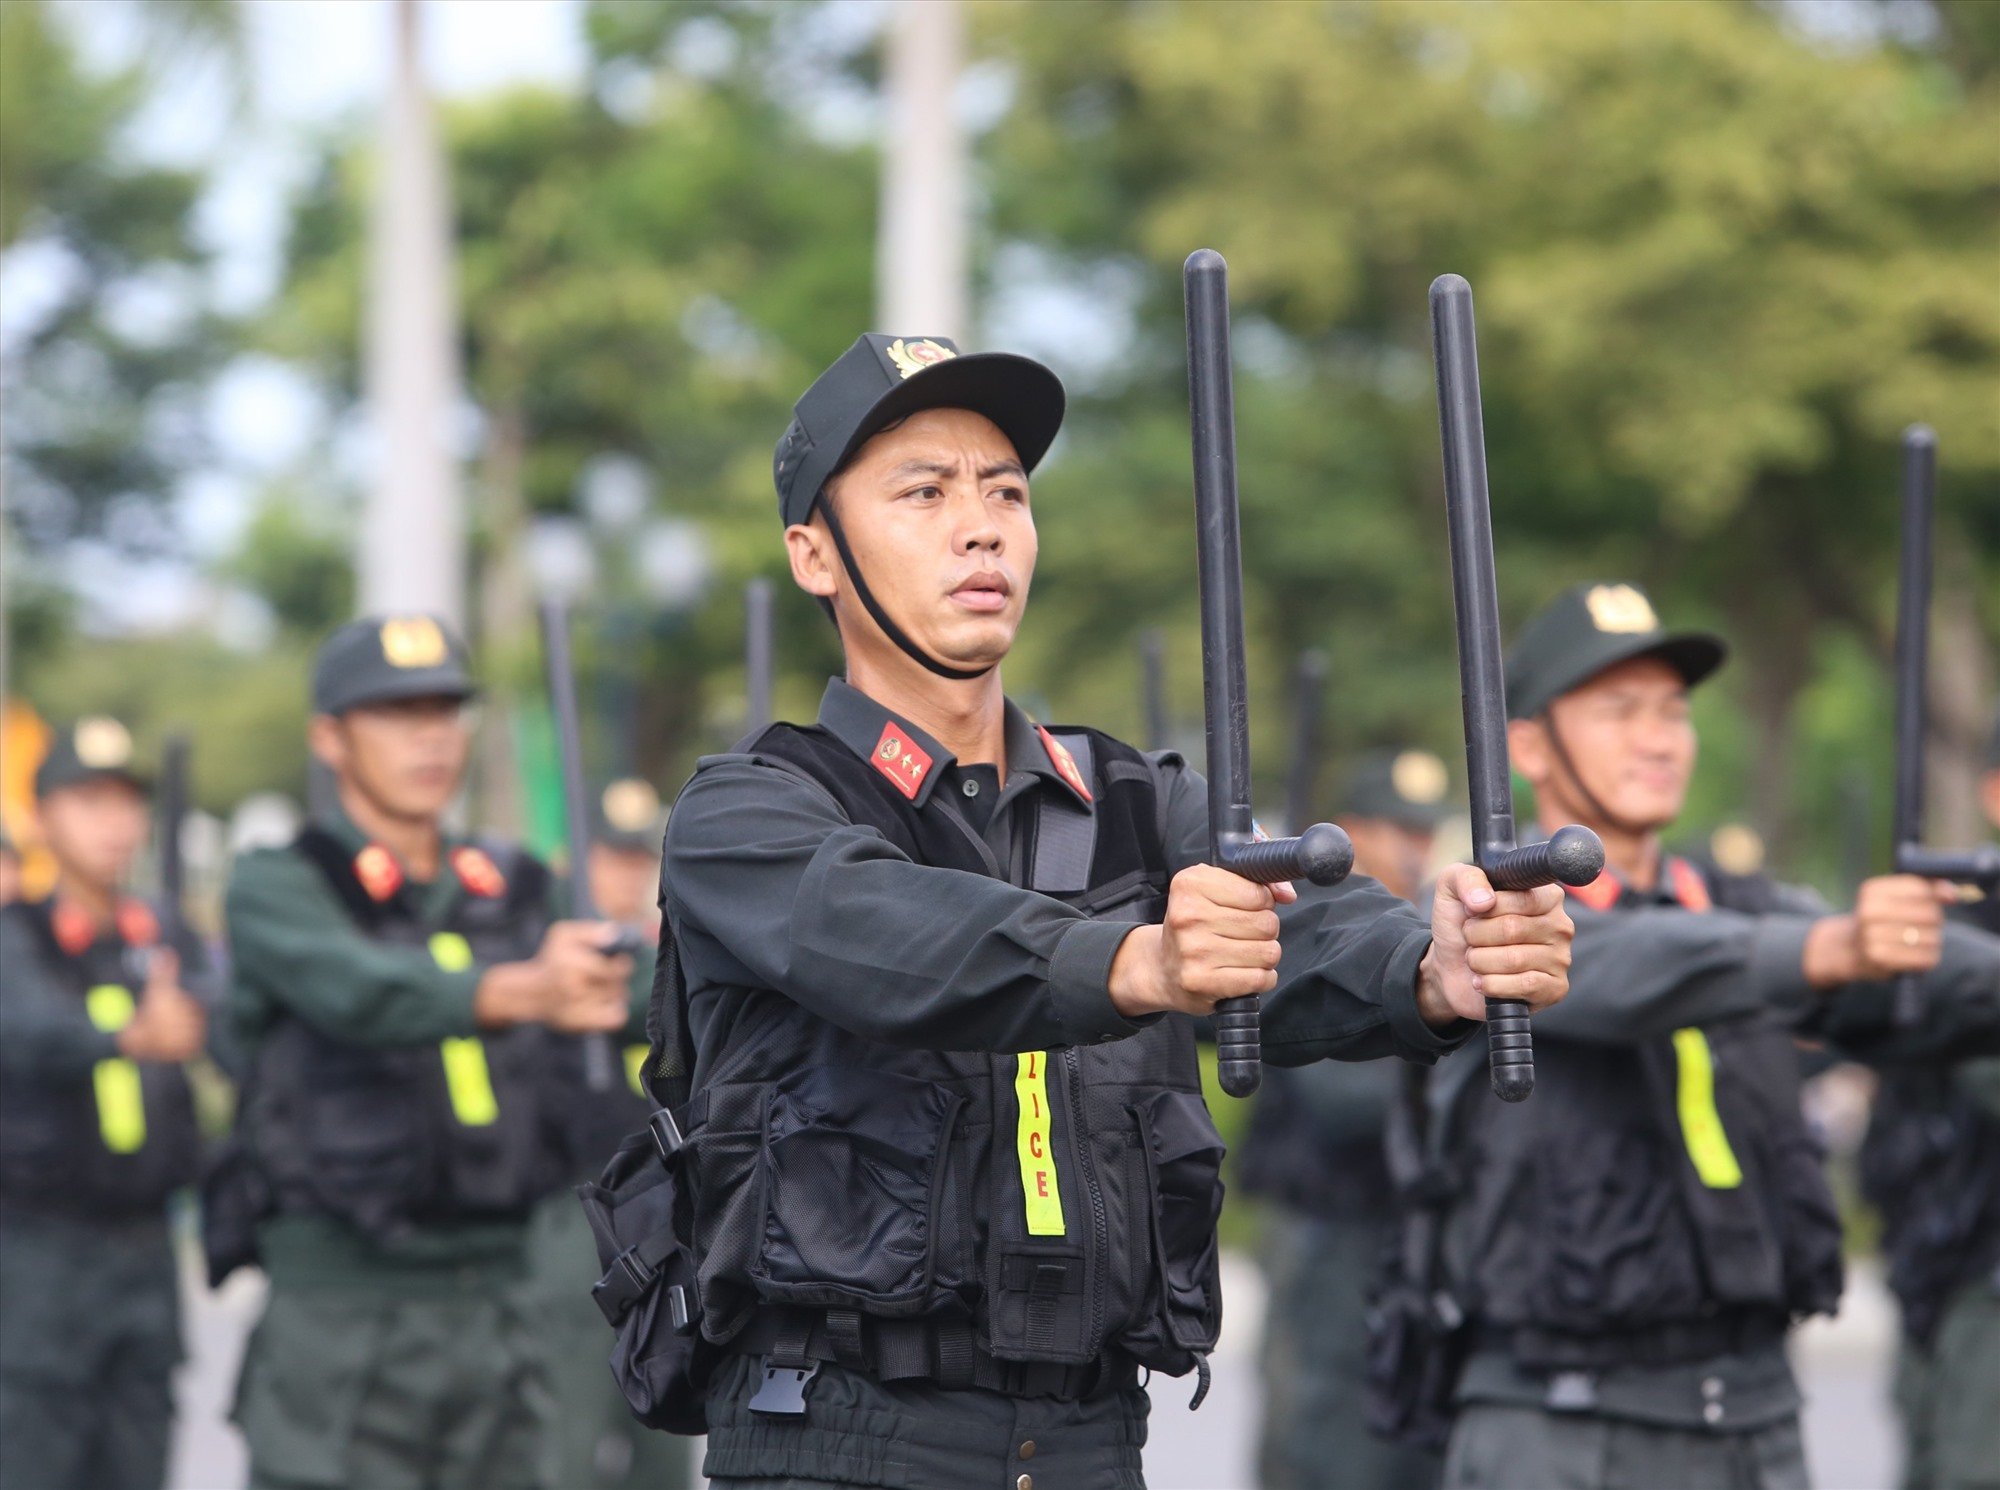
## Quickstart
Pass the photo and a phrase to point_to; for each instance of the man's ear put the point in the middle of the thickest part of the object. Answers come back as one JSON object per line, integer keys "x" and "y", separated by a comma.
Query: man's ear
{"x": 1528, "y": 745}
{"x": 327, "y": 741}
{"x": 814, "y": 565}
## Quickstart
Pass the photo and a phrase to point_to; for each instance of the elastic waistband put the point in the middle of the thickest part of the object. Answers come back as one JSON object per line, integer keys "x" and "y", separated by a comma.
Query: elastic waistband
{"x": 1678, "y": 1342}
{"x": 941, "y": 1350}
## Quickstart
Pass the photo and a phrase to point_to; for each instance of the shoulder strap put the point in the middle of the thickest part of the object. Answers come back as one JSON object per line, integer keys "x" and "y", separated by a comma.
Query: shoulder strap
{"x": 331, "y": 858}
{"x": 1064, "y": 836}
{"x": 670, "y": 1058}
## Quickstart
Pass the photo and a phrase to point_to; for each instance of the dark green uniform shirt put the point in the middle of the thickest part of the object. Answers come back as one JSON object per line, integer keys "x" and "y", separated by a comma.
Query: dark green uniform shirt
{"x": 295, "y": 947}
{"x": 771, "y": 886}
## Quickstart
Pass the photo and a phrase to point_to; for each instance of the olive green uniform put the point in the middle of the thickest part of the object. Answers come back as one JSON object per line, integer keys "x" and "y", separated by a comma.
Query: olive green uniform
{"x": 419, "y": 1364}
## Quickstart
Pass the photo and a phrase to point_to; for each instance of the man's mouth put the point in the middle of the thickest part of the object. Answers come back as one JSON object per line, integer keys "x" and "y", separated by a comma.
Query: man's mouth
{"x": 986, "y": 591}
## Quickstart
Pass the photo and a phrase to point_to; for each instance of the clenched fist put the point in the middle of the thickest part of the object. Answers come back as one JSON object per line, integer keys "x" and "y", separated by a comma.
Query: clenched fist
{"x": 1492, "y": 944}
{"x": 1896, "y": 927}
{"x": 169, "y": 1023}
{"x": 1219, "y": 940}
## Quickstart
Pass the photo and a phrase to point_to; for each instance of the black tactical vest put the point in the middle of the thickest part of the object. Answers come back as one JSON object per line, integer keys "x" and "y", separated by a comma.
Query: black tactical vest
{"x": 1931, "y": 1166}
{"x": 390, "y": 1138}
{"x": 1653, "y": 1202}
{"x": 110, "y": 1144}
{"x": 1060, "y": 1203}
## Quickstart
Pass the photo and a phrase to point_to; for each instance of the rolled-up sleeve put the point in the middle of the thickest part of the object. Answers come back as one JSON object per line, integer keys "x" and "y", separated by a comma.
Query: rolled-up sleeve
{"x": 771, "y": 886}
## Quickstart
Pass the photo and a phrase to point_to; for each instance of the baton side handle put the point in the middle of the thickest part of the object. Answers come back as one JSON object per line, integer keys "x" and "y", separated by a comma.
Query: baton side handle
{"x": 1572, "y": 856}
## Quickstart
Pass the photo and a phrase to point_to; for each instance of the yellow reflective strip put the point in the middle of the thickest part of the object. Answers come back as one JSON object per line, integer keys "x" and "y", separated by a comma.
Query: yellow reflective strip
{"x": 635, "y": 1068}
{"x": 121, "y": 1104}
{"x": 451, "y": 951}
{"x": 469, "y": 1082}
{"x": 1032, "y": 1138}
{"x": 466, "y": 1077}
{"x": 1701, "y": 1125}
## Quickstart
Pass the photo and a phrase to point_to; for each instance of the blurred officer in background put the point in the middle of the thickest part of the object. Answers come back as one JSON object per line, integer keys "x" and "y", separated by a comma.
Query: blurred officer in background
{"x": 1314, "y": 1148}
{"x": 596, "y": 1443}
{"x": 1931, "y": 1166}
{"x": 97, "y": 1131}
{"x": 1627, "y": 1249}
{"x": 10, "y": 871}
{"x": 405, "y": 995}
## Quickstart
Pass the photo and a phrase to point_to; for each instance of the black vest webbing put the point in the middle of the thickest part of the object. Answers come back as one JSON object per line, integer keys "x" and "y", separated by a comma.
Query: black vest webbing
{"x": 389, "y": 1138}
{"x": 111, "y": 1143}
{"x": 1059, "y": 1206}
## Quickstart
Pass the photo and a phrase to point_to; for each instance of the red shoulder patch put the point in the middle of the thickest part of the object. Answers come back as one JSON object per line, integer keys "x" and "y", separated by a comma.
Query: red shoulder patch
{"x": 137, "y": 925}
{"x": 1689, "y": 888}
{"x": 477, "y": 873}
{"x": 379, "y": 873}
{"x": 73, "y": 928}
{"x": 1601, "y": 893}
{"x": 1065, "y": 764}
{"x": 902, "y": 760}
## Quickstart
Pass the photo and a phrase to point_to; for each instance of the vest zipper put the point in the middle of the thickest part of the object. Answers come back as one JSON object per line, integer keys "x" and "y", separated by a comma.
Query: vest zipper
{"x": 1099, "y": 1242}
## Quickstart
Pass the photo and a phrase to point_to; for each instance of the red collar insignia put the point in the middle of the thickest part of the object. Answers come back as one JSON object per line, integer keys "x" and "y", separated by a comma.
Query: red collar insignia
{"x": 137, "y": 924}
{"x": 1689, "y": 888}
{"x": 379, "y": 873}
{"x": 1601, "y": 894}
{"x": 73, "y": 928}
{"x": 902, "y": 760}
{"x": 1065, "y": 764}
{"x": 477, "y": 873}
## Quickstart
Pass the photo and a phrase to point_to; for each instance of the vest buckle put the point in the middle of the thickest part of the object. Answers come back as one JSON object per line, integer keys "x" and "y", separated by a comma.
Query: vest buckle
{"x": 782, "y": 1392}
{"x": 666, "y": 1134}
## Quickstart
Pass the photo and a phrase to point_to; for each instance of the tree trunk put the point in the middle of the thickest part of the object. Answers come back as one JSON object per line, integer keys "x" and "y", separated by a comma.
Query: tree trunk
{"x": 506, "y": 612}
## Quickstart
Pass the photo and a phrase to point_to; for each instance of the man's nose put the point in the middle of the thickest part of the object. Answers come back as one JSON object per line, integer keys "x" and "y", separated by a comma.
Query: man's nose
{"x": 977, "y": 531}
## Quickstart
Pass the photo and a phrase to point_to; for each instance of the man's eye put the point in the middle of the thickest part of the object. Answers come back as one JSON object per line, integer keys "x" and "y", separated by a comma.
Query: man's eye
{"x": 925, "y": 493}
{"x": 1012, "y": 494}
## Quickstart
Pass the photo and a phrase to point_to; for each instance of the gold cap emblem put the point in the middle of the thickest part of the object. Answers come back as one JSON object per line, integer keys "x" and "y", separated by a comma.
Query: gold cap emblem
{"x": 102, "y": 744}
{"x": 912, "y": 357}
{"x": 413, "y": 641}
{"x": 630, "y": 805}
{"x": 1737, "y": 848}
{"x": 1621, "y": 609}
{"x": 1419, "y": 776}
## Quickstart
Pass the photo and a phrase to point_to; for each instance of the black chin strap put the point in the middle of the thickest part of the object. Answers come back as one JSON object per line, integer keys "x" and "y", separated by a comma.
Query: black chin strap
{"x": 1603, "y": 814}
{"x": 874, "y": 608}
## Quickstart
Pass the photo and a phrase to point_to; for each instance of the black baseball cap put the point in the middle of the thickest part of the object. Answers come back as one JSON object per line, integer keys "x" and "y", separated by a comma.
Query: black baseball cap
{"x": 381, "y": 658}
{"x": 1407, "y": 787}
{"x": 883, "y": 378}
{"x": 1589, "y": 628}
{"x": 92, "y": 749}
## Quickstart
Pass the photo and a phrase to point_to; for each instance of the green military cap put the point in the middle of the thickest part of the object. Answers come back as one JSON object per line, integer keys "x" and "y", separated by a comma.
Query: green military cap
{"x": 629, "y": 816}
{"x": 1405, "y": 787}
{"x": 93, "y": 748}
{"x": 1589, "y": 628}
{"x": 380, "y": 658}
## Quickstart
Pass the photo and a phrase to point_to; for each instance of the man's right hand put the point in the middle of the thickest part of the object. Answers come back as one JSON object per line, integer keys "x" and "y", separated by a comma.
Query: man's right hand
{"x": 169, "y": 1024}
{"x": 1219, "y": 940}
{"x": 588, "y": 989}
{"x": 1896, "y": 927}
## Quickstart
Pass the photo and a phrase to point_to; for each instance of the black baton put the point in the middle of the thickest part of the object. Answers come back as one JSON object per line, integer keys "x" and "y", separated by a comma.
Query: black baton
{"x": 1322, "y": 853}
{"x": 600, "y": 1057}
{"x": 1980, "y": 866}
{"x": 1573, "y": 856}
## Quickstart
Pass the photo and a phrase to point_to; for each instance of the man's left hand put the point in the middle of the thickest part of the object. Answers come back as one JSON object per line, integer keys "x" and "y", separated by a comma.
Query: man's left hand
{"x": 1492, "y": 944}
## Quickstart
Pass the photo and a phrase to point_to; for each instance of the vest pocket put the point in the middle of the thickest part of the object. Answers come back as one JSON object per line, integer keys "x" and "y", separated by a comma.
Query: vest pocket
{"x": 851, "y": 1174}
{"x": 1183, "y": 1157}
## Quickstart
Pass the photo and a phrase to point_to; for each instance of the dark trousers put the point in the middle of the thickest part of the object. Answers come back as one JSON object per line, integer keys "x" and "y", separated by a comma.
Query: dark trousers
{"x": 89, "y": 1338}
{"x": 1501, "y": 1447}
{"x": 1949, "y": 1398}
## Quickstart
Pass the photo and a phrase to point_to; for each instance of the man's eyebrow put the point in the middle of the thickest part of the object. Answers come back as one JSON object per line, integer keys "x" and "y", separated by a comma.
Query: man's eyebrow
{"x": 1003, "y": 468}
{"x": 921, "y": 467}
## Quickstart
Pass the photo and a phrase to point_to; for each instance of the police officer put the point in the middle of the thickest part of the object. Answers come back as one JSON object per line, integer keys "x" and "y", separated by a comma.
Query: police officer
{"x": 1314, "y": 1147}
{"x": 953, "y": 1183}
{"x": 1629, "y": 1247}
{"x": 594, "y": 1442}
{"x": 97, "y": 1132}
{"x": 403, "y": 993}
{"x": 1931, "y": 1166}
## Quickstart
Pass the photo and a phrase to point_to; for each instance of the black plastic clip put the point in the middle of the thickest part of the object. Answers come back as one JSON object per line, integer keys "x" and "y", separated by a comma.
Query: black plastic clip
{"x": 666, "y": 1134}
{"x": 783, "y": 1391}
{"x": 622, "y": 1286}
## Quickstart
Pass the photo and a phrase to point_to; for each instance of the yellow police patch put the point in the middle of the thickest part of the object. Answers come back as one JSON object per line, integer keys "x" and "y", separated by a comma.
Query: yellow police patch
{"x": 1620, "y": 609}
{"x": 1033, "y": 1135}
{"x": 413, "y": 641}
{"x": 913, "y": 357}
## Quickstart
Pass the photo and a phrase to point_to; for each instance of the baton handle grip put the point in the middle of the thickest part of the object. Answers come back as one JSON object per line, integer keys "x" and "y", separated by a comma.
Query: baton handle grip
{"x": 1323, "y": 854}
{"x": 1976, "y": 866}
{"x": 1573, "y": 856}
{"x": 600, "y": 1053}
